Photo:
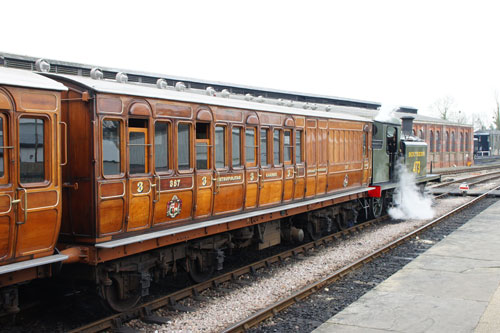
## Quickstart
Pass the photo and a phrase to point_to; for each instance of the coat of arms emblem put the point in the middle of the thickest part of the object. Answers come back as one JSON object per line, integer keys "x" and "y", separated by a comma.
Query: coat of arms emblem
{"x": 174, "y": 207}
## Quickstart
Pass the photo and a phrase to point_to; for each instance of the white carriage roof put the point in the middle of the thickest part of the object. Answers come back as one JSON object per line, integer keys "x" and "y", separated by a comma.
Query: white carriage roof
{"x": 27, "y": 79}
{"x": 200, "y": 96}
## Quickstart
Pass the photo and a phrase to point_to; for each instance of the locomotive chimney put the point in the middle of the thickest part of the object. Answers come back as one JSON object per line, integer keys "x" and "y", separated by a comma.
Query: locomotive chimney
{"x": 407, "y": 125}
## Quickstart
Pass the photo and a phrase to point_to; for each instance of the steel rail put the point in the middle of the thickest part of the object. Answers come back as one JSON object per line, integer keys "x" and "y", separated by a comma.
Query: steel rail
{"x": 465, "y": 179}
{"x": 284, "y": 303}
{"x": 469, "y": 169}
{"x": 144, "y": 310}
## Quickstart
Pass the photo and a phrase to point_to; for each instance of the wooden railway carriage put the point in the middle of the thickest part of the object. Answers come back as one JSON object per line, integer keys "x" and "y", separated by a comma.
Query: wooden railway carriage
{"x": 30, "y": 179}
{"x": 157, "y": 169}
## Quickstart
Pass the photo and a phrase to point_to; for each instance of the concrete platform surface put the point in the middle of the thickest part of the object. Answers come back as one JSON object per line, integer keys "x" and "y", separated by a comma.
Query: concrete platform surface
{"x": 452, "y": 287}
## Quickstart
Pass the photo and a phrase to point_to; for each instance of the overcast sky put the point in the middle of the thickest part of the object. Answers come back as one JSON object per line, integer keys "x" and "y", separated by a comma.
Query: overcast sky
{"x": 408, "y": 53}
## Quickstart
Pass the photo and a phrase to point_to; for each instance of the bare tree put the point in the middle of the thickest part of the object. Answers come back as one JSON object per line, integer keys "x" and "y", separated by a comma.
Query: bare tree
{"x": 444, "y": 107}
{"x": 479, "y": 121}
{"x": 496, "y": 115}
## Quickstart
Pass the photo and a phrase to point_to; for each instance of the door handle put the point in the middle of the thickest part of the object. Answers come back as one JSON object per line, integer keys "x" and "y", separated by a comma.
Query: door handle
{"x": 25, "y": 205}
{"x": 217, "y": 182}
{"x": 157, "y": 190}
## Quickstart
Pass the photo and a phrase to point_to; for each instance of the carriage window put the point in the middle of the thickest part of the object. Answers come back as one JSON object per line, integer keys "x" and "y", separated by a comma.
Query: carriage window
{"x": 287, "y": 153}
{"x": 161, "y": 146}
{"x": 277, "y": 147}
{"x": 220, "y": 146}
{"x": 298, "y": 147}
{"x": 202, "y": 145}
{"x": 263, "y": 147}
{"x": 2, "y": 171}
{"x": 183, "y": 146}
{"x": 137, "y": 150}
{"x": 236, "y": 146}
{"x": 31, "y": 150}
{"x": 250, "y": 146}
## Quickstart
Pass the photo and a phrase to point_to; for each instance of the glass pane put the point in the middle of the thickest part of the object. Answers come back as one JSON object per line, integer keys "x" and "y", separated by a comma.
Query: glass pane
{"x": 288, "y": 146}
{"x": 161, "y": 146}
{"x": 111, "y": 147}
{"x": 31, "y": 150}
{"x": 137, "y": 141}
{"x": 201, "y": 155}
{"x": 263, "y": 147}
{"x": 277, "y": 147}
{"x": 1, "y": 149}
{"x": 250, "y": 145}
{"x": 220, "y": 152}
{"x": 236, "y": 147}
{"x": 183, "y": 146}
{"x": 298, "y": 147}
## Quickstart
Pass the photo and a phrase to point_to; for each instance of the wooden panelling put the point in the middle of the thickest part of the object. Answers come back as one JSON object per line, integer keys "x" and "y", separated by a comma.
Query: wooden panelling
{"x": 140, "y": 109}
{"x": 39, "y": 102}
{"x": 111, "y": 214}
{"x": 109, "y": 105}
{"x": 5, "y": 103}
{"x": 229, "y": 115}
{"x": 38, "y": 233}
{"x": 43, "y": 199}
{"x": 172, "y": 110}
{"x": 112, "y": 189}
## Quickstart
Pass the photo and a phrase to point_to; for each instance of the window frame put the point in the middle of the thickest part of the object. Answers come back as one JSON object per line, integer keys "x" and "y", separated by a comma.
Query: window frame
{"x": 226, "y": 161}
{"x": 169, "y": 145}
{"x": 301, "y": 148}
{"x": 5, "y": 146}
{"x": 209, "y": 146}
{"x": 267, "y": 130}
{"x": 241, "y": 143}
{"x": 190, "y": 145}
{"x": 290, "y": 147}
{"x": 146, "y": 145}
{"x": 47, "y": 150}
{"x": 255, "y": 147}
{"x": 280, "y": 147}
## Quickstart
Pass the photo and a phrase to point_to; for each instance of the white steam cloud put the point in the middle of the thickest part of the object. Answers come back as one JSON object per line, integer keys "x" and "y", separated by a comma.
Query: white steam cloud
{"x": 385, "y": 113}
{"x": 409, "y": 202}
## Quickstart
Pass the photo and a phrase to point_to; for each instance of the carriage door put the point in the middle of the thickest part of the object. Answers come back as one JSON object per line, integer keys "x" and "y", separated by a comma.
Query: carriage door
{"x": 229, "y": 176}
{"x": 38, "y": 201}
{"x": 7, "y": 195}
{"x": 204, "y": 179}
{"x": 300, "y": 170}
{"x": 140, "y": 181}
{"x": 288, "y": 167}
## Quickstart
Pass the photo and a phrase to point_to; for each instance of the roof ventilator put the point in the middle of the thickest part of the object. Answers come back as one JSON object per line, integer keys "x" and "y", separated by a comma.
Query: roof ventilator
{"x": 121, "y": 77}
{"x": 42, "y": 65}
{"x": 161, "y": 84}
{"x": 96, "y": 73}
{"x": 210, "y": 91}
{"x": 281, "y": 101}
{"x": 260, "y": 99}
{"x": 180, "y": 86}
{"x": 289, "y": 103}
{"x": 314, "y": 106}
{"x": 328, "y": 108}
{"x": 306, "y": 106}
{"x": 225, "y": 93}
{"x": 249, "y": 97}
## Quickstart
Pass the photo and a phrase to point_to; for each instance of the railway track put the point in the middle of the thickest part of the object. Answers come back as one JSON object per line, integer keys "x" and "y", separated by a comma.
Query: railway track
{"x": 469, "y": 169}
{"x": 489, "y": 176}
{"x": 145, "y": 311}
{"x": 312, "y": 288}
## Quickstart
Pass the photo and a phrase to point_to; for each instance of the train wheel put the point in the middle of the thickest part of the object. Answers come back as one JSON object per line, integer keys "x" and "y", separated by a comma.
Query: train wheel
{"x": 376, "y": 206}
{"x": 198, "y": 271}
{"x": 118, "y": 302}
{"x": 314, "y": 230}
{"x": 342, "y": 221}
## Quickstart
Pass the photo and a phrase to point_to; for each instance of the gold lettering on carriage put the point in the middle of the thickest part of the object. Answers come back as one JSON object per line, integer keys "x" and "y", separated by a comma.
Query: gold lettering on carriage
{"x": 416, "y": 154}
{"x": 229, "y": 178}
{"x": 271, "y": 174}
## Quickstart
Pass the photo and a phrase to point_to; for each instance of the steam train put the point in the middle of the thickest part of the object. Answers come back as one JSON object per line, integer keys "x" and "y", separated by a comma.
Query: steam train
{"x": 121, "y": 183}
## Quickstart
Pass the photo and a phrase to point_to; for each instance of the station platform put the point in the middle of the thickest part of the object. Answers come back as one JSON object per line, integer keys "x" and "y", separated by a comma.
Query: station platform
{"x": 452, "y": 287}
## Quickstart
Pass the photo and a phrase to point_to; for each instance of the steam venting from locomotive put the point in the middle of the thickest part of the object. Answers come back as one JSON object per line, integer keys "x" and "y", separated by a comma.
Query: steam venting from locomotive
{"x": 409, "y": 202}
{"x": 385, "y": 113}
